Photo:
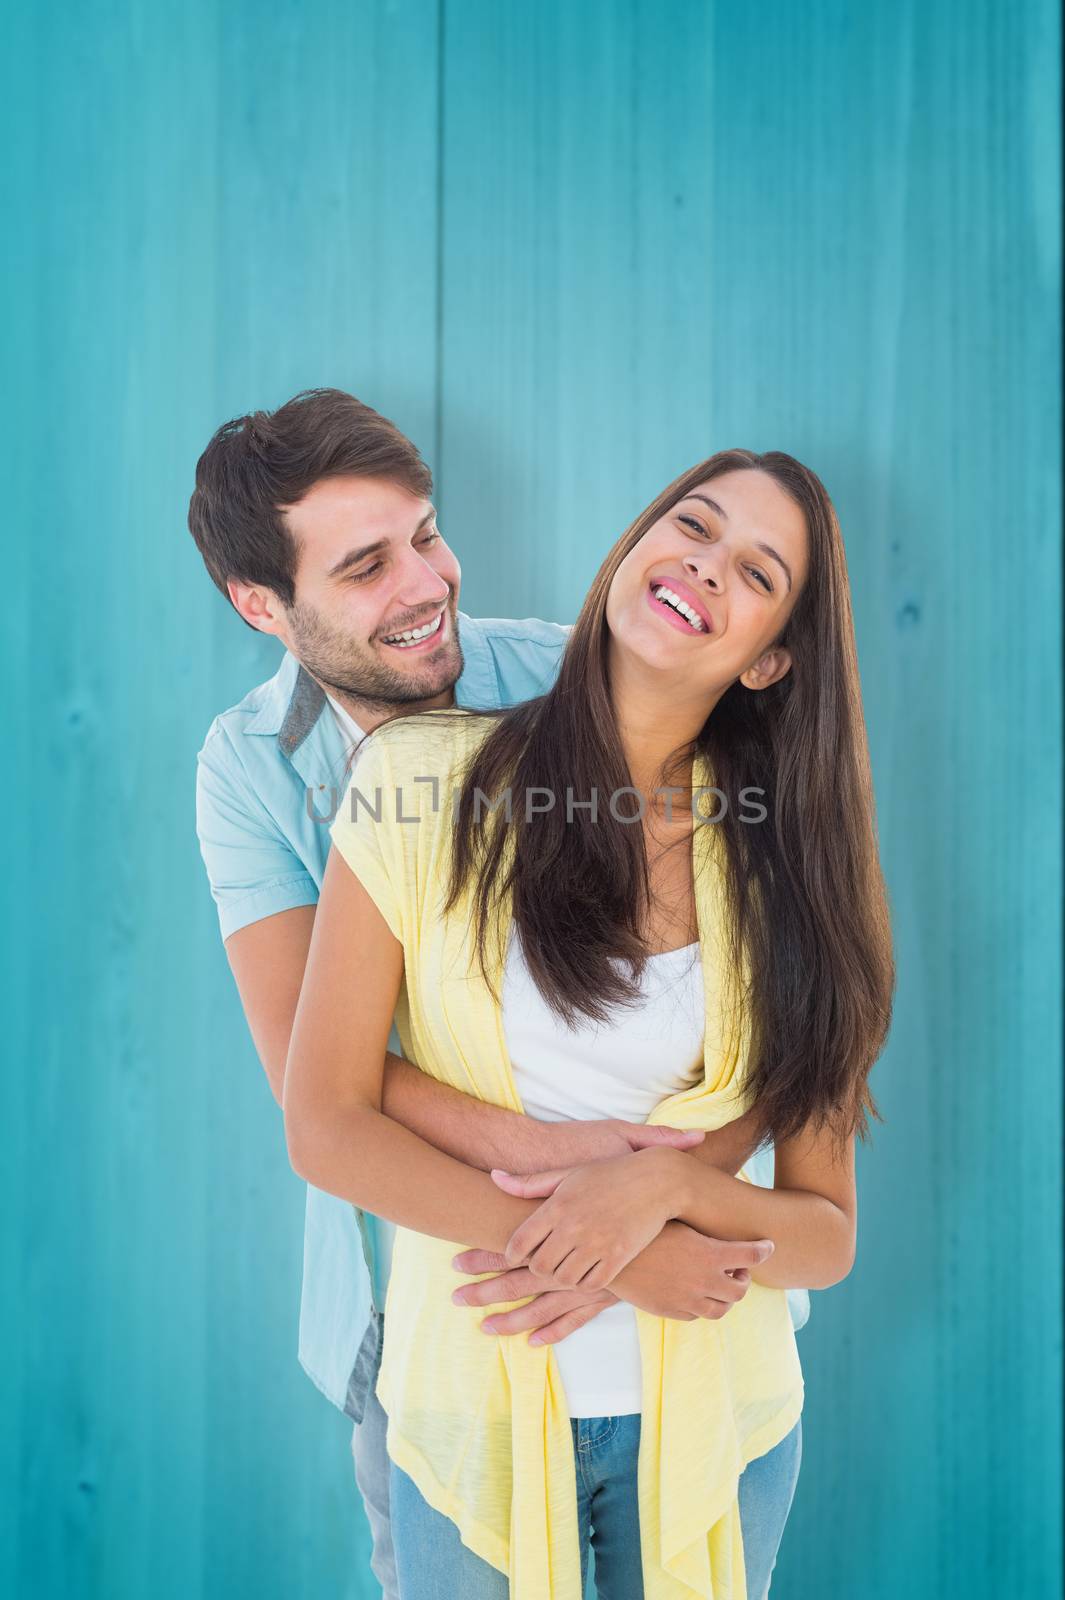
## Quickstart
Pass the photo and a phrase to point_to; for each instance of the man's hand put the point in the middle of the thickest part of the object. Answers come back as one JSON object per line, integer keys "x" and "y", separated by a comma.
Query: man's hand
{"x": 548, "y": 1317}
{"x": 543, "y": 1146}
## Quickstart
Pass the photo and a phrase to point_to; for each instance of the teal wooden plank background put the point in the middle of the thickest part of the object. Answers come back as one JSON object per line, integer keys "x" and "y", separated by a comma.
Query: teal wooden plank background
{"x": 570, "y": 248}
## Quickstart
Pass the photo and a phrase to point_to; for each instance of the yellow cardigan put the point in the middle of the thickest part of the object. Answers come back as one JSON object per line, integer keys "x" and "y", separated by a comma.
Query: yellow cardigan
{"x": 480, "y": 1423}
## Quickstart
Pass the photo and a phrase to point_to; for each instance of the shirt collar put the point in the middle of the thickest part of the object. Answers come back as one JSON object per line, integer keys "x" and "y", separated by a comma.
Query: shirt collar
{"x": 304, "y": 709}
{"x": 293, "y": 701}
{"x": 275, "y": 698}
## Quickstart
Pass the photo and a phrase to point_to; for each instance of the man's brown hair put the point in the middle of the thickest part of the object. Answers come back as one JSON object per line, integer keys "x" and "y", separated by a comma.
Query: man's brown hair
{"x": 258, "y": 464}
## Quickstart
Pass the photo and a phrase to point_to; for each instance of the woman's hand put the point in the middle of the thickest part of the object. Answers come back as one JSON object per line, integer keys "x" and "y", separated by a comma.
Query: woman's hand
{"x": 594, "y": 1218}
{"x": 682, "y": 1274}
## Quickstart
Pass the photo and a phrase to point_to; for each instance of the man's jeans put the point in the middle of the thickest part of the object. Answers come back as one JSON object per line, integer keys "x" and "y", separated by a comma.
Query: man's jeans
{"x": 371, "y": 1474}
{"x": 433, "y": 1563}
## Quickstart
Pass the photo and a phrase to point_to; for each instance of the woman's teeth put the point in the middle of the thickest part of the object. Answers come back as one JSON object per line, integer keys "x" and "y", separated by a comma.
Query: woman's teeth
{"x": 660, "y": 592}
{"x": 414, "y": 635}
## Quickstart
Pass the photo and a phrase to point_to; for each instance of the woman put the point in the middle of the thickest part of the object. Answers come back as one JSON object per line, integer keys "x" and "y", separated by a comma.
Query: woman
{"x": 695, "y": 784}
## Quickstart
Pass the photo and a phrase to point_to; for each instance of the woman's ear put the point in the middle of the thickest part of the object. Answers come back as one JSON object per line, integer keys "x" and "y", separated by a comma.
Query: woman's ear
{"x": 769, "y": 668}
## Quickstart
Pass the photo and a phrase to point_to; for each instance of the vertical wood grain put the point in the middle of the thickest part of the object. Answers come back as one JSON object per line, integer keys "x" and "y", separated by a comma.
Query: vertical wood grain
{"x": 570, "y": 249}
{"x": 225, "y": 204}
{"x": 829, "y": 230}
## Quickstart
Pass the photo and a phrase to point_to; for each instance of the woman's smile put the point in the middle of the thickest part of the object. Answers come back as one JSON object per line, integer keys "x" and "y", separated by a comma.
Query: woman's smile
{"x": 674, "y": 601}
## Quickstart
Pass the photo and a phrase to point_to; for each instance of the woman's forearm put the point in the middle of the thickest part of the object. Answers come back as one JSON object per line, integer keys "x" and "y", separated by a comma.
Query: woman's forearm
{"x": 814, "y": 1239}
{"x": 364, "y": 1157}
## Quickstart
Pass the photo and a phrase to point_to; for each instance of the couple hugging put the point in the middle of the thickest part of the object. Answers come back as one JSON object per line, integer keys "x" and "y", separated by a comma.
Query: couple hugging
{"x": 572, "y": 1025}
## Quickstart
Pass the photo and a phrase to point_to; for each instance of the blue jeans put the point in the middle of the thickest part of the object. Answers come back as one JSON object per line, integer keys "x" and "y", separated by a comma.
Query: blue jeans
{"x": 370, "y": 1452}
{"x": 432, "y": 1563}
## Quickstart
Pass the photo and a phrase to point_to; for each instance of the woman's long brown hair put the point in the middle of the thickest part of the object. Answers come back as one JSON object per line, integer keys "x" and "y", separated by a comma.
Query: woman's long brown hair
{"x": 806, "y": 904}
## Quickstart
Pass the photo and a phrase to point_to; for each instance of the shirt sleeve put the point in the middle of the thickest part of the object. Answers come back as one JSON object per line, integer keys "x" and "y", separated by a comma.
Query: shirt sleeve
{"x": 523, "y": 657}
{"x": 366, "y": 833}
{"x": 252, "y": 868}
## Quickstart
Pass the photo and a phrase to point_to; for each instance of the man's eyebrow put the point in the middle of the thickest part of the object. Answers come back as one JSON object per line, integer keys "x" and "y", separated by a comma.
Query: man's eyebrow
{"x": 353, "y": 557}
{"x": 720, "y": 511}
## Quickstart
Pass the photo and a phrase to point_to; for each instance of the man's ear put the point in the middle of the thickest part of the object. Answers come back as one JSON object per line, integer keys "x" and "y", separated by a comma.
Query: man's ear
{"x": 770, "y": 667}
{"x": 258, "y": 605}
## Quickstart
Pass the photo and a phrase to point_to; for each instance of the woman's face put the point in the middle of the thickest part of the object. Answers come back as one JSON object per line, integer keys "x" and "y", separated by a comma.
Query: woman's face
{"x": 711, "y": 584}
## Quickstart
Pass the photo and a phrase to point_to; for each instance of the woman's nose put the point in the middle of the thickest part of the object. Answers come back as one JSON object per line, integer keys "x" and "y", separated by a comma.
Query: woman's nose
{"x": 703, "y": 570}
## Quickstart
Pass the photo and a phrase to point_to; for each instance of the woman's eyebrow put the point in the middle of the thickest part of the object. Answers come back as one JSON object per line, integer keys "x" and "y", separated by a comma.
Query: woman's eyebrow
{"x": 720, "y": 511}
{"x": 768, "y": 548}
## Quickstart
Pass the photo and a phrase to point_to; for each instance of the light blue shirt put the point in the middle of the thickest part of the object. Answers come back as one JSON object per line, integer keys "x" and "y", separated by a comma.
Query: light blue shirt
{"x": 270, "y": 777}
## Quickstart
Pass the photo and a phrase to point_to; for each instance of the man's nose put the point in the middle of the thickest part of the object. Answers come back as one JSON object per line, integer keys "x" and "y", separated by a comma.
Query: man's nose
{"x": 421, "y": 585}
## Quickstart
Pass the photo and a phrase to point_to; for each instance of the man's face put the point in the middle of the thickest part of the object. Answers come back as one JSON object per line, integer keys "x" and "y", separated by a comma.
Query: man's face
{"x": 373, "y": 566}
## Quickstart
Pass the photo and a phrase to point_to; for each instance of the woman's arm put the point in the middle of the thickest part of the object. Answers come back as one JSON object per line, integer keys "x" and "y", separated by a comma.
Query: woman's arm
{"x": 595, "y": 1219}
{"x": 338, "y": 1137}
{"x": 269, "y": 958}
{"x": 810, "y": 1214}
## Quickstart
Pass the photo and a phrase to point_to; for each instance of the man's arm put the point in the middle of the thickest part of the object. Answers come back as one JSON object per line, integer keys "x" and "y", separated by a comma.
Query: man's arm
{"x": 268, "y": 960}
{"x": 340, "y": 1140}
{"x": 265, "y": 898}
{"x": 338, "y": 1136}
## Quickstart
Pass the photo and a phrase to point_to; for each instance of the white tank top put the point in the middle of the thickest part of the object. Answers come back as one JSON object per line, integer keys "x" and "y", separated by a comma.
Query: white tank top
{"x": 649, "y": 1050}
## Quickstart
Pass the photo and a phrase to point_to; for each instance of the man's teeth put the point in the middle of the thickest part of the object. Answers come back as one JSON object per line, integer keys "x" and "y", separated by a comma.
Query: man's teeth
{"x": 660, "y": 592}
{"x": 414, "y": 635}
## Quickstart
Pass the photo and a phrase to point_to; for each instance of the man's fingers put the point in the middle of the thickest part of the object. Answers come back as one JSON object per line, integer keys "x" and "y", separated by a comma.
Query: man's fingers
{"x": 552, "y": 1332}
{"x": 742, "y": 1254}
{"x": 532, "y": 1315}
{"x": 713, "y": 1310}
{"x": 494, "y": 1291}
{"x": 733, "y": 1285}
{"x": 543, "y": 1309}
{"x": 479, "y": 1261}
{"x": 641, "y": 1135}
{"x": 529, "y": 1185}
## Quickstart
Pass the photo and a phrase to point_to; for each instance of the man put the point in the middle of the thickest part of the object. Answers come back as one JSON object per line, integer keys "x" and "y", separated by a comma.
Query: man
{"x": 317, "y": 525}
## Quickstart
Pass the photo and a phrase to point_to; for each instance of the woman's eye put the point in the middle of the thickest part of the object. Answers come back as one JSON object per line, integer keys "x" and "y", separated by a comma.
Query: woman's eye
{"x": 696, "y": 525}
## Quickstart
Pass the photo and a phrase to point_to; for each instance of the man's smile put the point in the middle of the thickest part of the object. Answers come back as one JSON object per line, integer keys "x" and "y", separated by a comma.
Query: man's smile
{"x": 424, "y": 637}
